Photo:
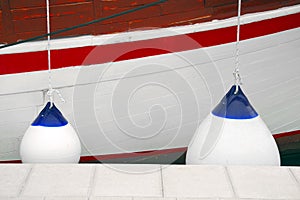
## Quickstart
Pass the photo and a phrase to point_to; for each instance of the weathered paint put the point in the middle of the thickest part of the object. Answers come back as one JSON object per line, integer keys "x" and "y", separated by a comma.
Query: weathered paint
{"x": 24, "y": 19}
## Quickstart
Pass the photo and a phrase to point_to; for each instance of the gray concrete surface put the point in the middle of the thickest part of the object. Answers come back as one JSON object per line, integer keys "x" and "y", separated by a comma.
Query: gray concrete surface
{"x": 147, "y": 182}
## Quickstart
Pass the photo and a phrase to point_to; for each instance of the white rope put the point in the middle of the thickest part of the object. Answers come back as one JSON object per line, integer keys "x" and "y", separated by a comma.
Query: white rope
{"x": 50, "y": 94}
{"x": 50, "y": 90}
{"x": 48, "y": 45}
{"x": 236, "y": 72}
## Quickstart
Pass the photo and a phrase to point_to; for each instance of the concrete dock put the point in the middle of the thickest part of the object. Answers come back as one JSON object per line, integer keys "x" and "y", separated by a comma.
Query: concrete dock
{"x": 146, "y": 182}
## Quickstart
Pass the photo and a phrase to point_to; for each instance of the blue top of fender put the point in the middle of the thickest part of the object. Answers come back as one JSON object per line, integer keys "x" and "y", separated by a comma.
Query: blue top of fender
{"x": 50, "y": 117}
{"x": 235, "y": 106}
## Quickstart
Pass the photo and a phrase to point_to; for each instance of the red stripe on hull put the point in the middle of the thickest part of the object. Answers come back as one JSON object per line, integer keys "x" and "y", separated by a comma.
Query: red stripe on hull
{"x": 10, "y": 162}
{"x": 36, "y": 61}
{"x": 286, "y": 134}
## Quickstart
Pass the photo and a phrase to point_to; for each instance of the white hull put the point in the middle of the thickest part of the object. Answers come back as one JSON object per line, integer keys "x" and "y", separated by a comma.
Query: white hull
{"x": 156, "y": 102}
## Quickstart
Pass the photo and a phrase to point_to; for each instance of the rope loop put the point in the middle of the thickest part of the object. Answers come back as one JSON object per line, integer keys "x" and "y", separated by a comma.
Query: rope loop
{"x": 238, "y": 79}
{"x": 50, "y": 94}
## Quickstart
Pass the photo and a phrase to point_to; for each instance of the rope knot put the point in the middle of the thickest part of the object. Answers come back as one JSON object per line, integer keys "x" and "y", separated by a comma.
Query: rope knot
{"x": 50, "y": 93}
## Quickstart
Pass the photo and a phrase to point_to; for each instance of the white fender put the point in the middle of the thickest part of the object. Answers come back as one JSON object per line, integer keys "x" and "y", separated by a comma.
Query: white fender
{"x": 233, "y": 134}
{"x": 50, "y": 139}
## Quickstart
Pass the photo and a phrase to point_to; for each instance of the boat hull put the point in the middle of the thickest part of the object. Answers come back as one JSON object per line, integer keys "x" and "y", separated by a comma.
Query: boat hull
{"x": 149, "y": 90}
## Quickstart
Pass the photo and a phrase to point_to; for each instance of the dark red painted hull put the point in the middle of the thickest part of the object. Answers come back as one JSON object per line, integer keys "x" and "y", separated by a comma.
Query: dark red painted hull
{"x": 22, "y": 19}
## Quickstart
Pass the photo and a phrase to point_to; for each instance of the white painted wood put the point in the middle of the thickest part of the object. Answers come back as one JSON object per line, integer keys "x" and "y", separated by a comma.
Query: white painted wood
{"x": 21, "y": 100}
{"x": 37, "y": 81}
{"x": 14, "y": 129}
{"x": 9, "y": 146}
{"x": 12, "y": 155}
{"x": 16, "y": 116}
{"x": 291, "y": 126}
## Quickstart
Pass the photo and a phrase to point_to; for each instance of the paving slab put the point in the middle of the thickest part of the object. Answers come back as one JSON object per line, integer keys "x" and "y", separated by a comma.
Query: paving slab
{"x": 147, "y": 182}
{"x": 12, "y": 179}
{"x": 22, "y": 198}
{"x": 264, "y": 182}
{"x": 196, "y": 181}
{"x": 110, "y": 198}
{"x": 198, "y": 198}
{"x": 154, "y": 198}
{"x": 66, "y": 198}
{"x": 127, "y": 180}
{"x": 59, "y": 180}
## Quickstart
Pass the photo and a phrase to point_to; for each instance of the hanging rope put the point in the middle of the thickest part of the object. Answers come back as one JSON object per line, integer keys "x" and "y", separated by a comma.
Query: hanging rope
{"x": 48, "y": 45}
{"x": 236, "y": 72}
{"x": 51, "y": 91}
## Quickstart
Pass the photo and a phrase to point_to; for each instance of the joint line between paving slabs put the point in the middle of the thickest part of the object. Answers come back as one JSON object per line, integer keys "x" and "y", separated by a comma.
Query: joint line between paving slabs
{"x": 227, "y": 174}
{"x": 162, "y": 181}
{"x": 25, "y": 180}
{"x": 294, "y": 177}
{"x": 92, "y": 181}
